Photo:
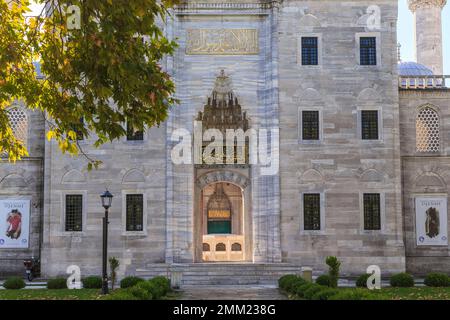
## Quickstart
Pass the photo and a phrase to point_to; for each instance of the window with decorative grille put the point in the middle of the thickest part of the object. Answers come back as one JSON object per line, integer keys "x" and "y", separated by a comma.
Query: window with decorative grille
{"x": 369, "y": 124}
{"x": 74, "y": 212}
{"x": 310, "y": 125}
{"x": 368, "y": 51}
{"x": 18, "y": 121}
{"x": 427, "y": 131}
{"x": 310, "y": 51}
{"x": 134, "y": 135}
{"x": 135, "y": 212}
{"x": 372, "y": 211}
{"x": 311, "y": 211}
{"x": 77, "y": 128}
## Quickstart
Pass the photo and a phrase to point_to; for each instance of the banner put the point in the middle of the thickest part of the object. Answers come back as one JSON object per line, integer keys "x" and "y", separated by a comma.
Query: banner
{"x": 14, "y": 224}
{"x": 431, "y": 221}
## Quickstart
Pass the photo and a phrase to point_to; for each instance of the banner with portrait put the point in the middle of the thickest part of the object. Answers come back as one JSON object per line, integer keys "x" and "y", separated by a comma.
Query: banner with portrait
{"x": 14, "y": 224}
{"x": 431, "y": 221}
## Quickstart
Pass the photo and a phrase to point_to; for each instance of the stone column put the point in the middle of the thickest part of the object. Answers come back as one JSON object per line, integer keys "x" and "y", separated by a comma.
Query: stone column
{"x": 428, "y": 32}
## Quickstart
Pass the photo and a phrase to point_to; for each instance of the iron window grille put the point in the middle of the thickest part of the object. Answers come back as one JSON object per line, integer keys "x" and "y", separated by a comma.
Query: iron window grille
{"x": 372, "y": 211}
{"x": 134, "y": 135}
{"x": 310, "y": 51}
{"x": 311, "y": 211}
{"x": 310, "y": 125}
{"x": 368, "y": 51}
{"x": 74, "y": 212}
{"x": 135, "y": 212}
{"x": 369, "y": 124}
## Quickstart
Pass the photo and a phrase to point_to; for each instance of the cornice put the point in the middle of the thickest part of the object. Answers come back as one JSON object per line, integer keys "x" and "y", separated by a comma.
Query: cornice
{"x": 419, "y": 4}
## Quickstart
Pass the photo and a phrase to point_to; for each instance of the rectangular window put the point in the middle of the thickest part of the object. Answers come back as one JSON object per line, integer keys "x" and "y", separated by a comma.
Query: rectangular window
{"x": 135, "y": 212}
{"x": 372, "y": 211}
{"x": 310, "y": 125}
{"x": 134, "y": 135}
{"x": 310, "y": 51}
{"x": 311, "y": 211}
{"x": 77, "y": 128}
{"x": 369, "y": 124}
{"x": 368, "y": 51}
{"x": 74, "y": 212}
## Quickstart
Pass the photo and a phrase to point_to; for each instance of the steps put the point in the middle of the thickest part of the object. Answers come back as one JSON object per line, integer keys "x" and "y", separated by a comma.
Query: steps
{"x": 220, "y": 273}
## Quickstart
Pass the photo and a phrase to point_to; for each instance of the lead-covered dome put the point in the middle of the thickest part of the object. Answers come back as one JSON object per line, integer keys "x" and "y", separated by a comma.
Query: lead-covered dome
{"x": 413, "y": 69}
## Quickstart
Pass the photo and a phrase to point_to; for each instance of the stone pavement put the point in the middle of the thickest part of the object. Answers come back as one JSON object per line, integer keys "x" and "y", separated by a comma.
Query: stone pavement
{"x": 234, "y": 292}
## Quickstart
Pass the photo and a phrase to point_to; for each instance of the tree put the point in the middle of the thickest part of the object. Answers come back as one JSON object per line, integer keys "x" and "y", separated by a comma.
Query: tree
{"x": 101, "y": 61}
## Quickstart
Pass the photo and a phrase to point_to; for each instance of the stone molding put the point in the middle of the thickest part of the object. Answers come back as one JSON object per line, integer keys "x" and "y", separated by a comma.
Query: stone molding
{"x": 223, "y": 176}
{"x": 419, "y": 4}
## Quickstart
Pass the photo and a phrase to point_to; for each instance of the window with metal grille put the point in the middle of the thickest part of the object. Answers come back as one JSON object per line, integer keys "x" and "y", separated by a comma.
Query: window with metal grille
{"x": 77, "y": 128}
{"x": 368, "y": 51}
{"x": 311, "y": 211}
{"x": 135, "y": 212}
{"x": 18, "y": 121}
{"x": 310, "y": 125}
{"x": 74, "y": 212}
{"x": 372, "y": 211}
{"x": 427, "y": 131}
{"x": 369, "y": 124}
{"x": 134, "y": 135}
{"x": 310, "y": 51}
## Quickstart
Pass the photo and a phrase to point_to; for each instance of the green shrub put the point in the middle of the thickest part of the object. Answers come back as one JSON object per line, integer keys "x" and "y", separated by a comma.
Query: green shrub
{"x": 57, "y": 283}
{"x": 325, "y": 294}
{"x": 286, "y": 281}
{"x": 361, "y": 282}
{"x": 334, "y": 264}
{"x": 351, "y": 294}
{"x": 311, "y": 291}
{"x": 92, "y": 282}
{"x": 140, "y": 292}
{"x": 323, "y": 280}
{"x": 130, "y": 281}
{"x": 436, "y": 279}
{"x": 402, "y": 280}
{"x": 163, "y": 283}
{"x": 14, "y": 283}
{"x": 120, "y": 294}
{"x": 301, "y": 289}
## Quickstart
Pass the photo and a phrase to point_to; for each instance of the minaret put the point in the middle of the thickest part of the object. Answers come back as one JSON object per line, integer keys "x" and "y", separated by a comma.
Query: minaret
{"x": 428, "y": 32}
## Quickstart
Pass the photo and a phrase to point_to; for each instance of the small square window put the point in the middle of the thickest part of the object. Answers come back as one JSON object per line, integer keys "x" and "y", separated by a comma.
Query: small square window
{"x": 369, "y": 125}
{"x": 134, "y": 135}
{"x": 310, "y": 125}
{"x": 135, "y": 212}
{"x": 310, "y": 51}
{"x": 311, "y": 211}
{"x": 368, "y": 51}
{"x": 74, "y": 212}
{"x": 372, "y": 212}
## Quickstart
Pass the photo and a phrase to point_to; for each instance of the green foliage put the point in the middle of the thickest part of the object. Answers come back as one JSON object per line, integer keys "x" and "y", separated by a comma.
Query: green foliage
{"x": 323, "y": 280}
{"x": 163, "y": 285}
{"x": 361, "y": 282}
{"x": 286, "y": 280}
{"x": 14, "y": 283}
{"x": 101, "y": 72}
{"x": 92, "y": 282}
{"x": 325, "y": 294}
{"x": 140, "y": 292}
{"x": 120, "y": 294}
{"x": 436, "y": 279}
{"x": 57, "y": 283}
{"x": 130, "y": 281}
{"x": 312, "y": 290}
{"x": 113, "y": 265}
{"x": 402, "y": 280}
{"x": 353, "y": 294}
{"x": 334, "y": 264}
{"x": 301, "y": 289}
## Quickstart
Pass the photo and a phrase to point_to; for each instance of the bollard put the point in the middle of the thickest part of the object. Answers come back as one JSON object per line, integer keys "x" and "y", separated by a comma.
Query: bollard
{"x": 175, "y": 279}
{"x": 307, "y": 274}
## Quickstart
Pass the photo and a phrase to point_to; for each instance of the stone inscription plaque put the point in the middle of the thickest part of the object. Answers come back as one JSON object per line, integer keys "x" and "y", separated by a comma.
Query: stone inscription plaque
{"x": 222, "y": 41}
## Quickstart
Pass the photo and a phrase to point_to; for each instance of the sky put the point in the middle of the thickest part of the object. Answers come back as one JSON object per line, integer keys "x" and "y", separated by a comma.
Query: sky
{"x": 406, "y": 30}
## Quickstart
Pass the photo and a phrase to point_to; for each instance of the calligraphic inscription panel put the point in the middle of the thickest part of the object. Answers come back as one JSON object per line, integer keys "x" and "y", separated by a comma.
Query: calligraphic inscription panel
{"x": 222, "y": 41}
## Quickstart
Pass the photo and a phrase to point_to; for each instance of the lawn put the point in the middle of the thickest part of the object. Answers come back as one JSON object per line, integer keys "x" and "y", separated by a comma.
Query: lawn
{"x": 46, "y": 294}
{"x": 416, "y": 293}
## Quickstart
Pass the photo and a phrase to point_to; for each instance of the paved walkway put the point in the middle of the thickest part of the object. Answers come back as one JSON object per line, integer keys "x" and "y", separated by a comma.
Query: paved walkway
{"x": 221, "y": 292}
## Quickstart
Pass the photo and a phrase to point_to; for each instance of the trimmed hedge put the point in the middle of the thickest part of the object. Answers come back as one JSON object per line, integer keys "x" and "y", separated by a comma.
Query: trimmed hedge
{"x": 353, "y": 294}
{"x": 13, "y": 283}
{"x": 325, "y": 294}
{"x": 436, "y": 279}
{"x": 286, "y": 281}
{"x": 312, "y": 290}
{"x": 130, "y": 281}
{"x": 361, "y": 282}
{"x": 323, "y": 280}
{"x": 301, "y": 289}
{"x": 140, "y": 292}
{"x": 92, "y": 282}
{"x": 57, "y": 283}
{"x": 402, "y": 280}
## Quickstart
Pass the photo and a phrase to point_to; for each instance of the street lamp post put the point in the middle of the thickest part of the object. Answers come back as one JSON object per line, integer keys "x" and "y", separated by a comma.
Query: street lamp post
{"x": 106, "y": 203}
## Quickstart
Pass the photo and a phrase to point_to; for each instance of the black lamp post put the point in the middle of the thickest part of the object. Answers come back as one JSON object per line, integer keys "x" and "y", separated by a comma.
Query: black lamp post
{"x": 106, "y": 203}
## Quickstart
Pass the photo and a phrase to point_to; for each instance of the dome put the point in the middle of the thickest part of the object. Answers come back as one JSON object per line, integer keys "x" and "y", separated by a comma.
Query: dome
{"x": 411, "y": 69}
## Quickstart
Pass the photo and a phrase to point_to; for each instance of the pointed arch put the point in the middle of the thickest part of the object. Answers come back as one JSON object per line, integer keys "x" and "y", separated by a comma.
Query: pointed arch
{"x": 73, "y": 176}
{"x": 13, "y": 180}
{"x": 133, "y": 176}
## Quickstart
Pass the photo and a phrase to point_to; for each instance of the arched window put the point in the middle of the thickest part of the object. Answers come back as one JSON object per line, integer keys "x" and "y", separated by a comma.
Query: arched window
{"x": 221, "y": 247}
{"x": 19, "y": 123}
{"x": 206, "y": 247}
{"x": 236, "y": 247}
{"x": 427, "y": 131}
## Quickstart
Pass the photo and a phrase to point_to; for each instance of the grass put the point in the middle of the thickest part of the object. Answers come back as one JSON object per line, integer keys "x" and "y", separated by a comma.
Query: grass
{"x": 46, "y": 294}
{"x": 415, "y": 293}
